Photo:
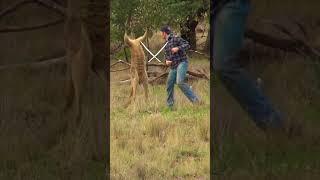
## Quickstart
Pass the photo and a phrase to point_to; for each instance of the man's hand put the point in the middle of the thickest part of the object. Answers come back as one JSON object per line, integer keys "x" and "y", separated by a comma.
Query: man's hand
{"x": 175, "y": 49}
{"x": 168, "y": 63}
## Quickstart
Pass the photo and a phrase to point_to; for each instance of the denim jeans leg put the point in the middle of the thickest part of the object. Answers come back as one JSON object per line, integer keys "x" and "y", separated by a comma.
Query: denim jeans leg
{"x": 185, "y": 88}
{"x": 229, "y": 27}
{"x": 170, "y": 86}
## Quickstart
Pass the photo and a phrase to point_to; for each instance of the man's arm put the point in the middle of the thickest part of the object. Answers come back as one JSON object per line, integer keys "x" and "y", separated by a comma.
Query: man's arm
{"x": 167, "y": 58}
{"x": 183, "y": 45}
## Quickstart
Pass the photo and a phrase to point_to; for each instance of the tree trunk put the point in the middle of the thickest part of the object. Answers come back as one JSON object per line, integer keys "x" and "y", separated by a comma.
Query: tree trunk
{"x": 188, "y": 32}
{"x": 188, "y": 29}
{"x": 207, "y": 43}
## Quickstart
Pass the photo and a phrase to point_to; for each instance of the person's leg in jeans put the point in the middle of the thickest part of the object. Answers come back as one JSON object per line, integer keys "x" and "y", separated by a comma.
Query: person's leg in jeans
{"x": 185, "y": 88}
{"x": 170, "y": 87}
{"x": 229, "y": 27}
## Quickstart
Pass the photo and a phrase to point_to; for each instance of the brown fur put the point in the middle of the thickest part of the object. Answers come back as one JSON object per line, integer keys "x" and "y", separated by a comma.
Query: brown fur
{"x": 79, "y": 58}
{"x": 138, "y": 73}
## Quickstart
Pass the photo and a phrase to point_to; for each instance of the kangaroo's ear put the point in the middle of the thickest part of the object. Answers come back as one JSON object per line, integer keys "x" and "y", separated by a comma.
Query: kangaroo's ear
{"x": 142, "y": 38}
{"x": 127, "y": 40}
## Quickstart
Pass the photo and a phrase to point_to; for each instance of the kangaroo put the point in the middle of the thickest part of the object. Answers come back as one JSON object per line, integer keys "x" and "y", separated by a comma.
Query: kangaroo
{"x": 138, "y": 73}
{"x": 78, "y": 57}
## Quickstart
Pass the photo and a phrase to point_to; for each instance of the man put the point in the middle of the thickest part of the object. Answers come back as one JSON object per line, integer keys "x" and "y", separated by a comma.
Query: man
{"x": 229, "y": 20}
{"x": 176, "y": 58}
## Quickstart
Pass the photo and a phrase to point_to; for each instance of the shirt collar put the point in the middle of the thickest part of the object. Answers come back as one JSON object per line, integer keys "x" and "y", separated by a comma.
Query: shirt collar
{"x": 169, "y": 36}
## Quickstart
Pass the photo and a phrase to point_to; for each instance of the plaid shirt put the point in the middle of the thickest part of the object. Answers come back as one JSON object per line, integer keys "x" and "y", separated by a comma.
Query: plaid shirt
{"x": 181, "y": 55}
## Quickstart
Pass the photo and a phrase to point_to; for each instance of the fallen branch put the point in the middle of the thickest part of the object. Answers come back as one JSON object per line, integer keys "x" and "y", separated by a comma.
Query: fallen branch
{"x": 164, "y": 67}
{"x": 158, "y": 77}
{"x": 267, "y": 40}
{"x": 41, "y": 64}
{"x": 199, "y": 53}
{"x": 198, "y": 75}
{"x": 160, "y": 65}
{"x": 305, "y": 46}
{"x": 190, "y": 75}
{"x": 128, "y": 64}
{"x": 120, "y": 61}
{"x": 125, "y": 81}
{"x": 293, "y": 44}
{"x": 163, "y": 73}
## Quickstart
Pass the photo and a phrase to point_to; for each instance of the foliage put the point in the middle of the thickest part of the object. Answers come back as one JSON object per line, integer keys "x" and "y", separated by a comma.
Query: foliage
{"x": 136, "y": 15}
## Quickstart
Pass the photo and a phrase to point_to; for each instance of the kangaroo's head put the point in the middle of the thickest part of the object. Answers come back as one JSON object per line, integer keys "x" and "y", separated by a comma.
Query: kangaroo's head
{"x": 134, "y": 42}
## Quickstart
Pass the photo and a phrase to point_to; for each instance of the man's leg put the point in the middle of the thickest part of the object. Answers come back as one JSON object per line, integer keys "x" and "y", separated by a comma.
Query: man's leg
{"x": 185, "y": 88}
{"x": 229, "y": 27}
{"x": 170, "y": 86}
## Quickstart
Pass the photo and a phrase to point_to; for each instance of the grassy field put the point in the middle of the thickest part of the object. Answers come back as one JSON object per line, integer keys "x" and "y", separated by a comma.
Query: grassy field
{"x": 242, "y": 151}
{"x": 149, "y": 142}
{"x": 32, "y": 146}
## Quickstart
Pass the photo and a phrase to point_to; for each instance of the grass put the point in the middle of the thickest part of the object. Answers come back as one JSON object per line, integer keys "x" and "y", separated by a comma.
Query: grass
{"x": 150, "y": 142}
{"x": 244, "y": 151}
{"x": 32, "y": 146}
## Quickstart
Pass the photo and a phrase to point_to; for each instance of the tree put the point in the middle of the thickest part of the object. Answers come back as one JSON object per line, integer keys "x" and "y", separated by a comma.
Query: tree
{"x": 196, "y": 14}
{"x": 137, "y": 15}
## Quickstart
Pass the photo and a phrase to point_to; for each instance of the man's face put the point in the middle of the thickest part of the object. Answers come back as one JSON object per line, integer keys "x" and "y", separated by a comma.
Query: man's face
{"x": 164, "y": 35}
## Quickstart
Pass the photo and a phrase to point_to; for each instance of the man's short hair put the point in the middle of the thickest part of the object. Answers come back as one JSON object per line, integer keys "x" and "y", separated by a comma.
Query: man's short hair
{"x": 166, "y": 29}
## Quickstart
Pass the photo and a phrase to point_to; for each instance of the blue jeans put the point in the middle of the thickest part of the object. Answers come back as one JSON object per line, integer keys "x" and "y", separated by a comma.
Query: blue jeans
{"x": 229, "y": 26}
{"x": 178, "y": 76}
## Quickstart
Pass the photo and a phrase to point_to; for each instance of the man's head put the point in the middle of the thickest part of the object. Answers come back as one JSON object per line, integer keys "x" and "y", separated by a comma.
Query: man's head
{"x": 165, "y": 31}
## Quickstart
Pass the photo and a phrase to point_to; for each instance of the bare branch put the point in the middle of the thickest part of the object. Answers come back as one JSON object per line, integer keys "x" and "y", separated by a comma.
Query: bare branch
{"x": 158, "y": 77}
{"x": 293, "y": 45}
{"x": 59, "y": 60}
{"x": 47, "y": 3}
{"x": 302, "y": 29}
{"x": 53, "y": 5}
{"x": 14, "y": 7}
{"x": 164, "y": 74}
{"x": 199, "y": 53}
{"x": 116, "y": 49}
{"x": 31, "y": 28}
{"x": 160, "y": 65}
{"x": 125, "y": 81}
{"x": 198, "y": 75}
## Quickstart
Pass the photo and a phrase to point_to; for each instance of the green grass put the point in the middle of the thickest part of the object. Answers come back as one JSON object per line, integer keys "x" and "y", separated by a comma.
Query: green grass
{"x": 244, "y": 151}
{"x": 150, "y": 142}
